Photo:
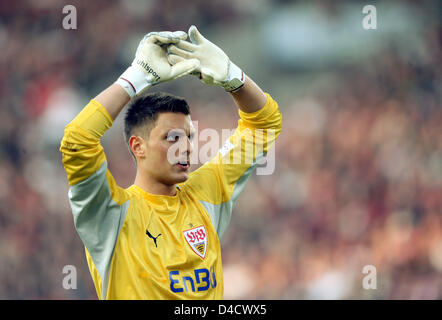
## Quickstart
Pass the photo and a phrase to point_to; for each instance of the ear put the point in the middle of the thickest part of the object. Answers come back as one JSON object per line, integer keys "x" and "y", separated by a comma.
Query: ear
{"x": 136, "y": 146}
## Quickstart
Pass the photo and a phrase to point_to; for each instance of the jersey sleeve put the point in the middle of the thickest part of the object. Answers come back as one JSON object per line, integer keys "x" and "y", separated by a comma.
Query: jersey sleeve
{"x": 98, "y": 204}
{"x": 218, "y": 183}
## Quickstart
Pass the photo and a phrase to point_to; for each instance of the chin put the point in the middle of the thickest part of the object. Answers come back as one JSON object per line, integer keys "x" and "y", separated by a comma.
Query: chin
{"x": 182, "y": 178}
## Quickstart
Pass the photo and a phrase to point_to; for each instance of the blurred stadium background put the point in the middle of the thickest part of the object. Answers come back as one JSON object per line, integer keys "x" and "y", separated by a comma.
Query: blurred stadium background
{"x": 358, "y": 177}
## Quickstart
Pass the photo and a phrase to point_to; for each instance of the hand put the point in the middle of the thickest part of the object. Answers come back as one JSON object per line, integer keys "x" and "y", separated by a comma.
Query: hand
{"x": 215, "y": 66}
{"x": 151, "y": 65}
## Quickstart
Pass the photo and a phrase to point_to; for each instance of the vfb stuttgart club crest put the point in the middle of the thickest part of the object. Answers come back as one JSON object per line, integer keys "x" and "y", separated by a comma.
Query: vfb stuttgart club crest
{"x": 197, "y": 239}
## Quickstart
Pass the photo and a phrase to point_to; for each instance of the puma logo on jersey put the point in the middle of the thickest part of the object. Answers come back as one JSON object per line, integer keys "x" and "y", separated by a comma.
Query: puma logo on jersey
{"x": 153, "y": 238}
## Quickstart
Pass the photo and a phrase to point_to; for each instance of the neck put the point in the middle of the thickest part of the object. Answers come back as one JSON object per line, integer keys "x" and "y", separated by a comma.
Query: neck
{"x": 154, "y": 187}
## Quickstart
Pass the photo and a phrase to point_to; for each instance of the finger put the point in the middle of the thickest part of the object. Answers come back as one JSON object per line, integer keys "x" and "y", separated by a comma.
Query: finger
{"x": 195, "y": 36}
{"x": 168, "y": 34}
{"x": 174, "y": 59}
{"x": 184, "y": 67}
{"x": 186, "y": 45}
{"x": 157, "y": 39}
{"x": 175, "y": 34}
{"x": 207, "y": 75}
{"x": 166, "y": 37}
{"x": 172, "y": 49}
{"x": 180, "y": 35}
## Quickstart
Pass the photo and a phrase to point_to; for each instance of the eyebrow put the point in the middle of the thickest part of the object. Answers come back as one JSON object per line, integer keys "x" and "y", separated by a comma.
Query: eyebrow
{"x": 179, "y": 131}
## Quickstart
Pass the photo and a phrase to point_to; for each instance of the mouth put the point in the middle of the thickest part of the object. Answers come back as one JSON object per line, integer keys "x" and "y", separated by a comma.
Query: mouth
{"x": 184, "y": 165}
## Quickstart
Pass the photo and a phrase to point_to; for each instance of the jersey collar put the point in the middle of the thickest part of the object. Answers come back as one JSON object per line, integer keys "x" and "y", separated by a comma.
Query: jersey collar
{"x": 158, "y": 199}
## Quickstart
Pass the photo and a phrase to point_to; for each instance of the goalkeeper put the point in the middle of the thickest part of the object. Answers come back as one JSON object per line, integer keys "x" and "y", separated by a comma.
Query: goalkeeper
{"x": 160, "y": 238}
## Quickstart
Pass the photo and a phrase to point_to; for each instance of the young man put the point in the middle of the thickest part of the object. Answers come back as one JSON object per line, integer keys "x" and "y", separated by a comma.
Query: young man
{"x": 160, "y": 238}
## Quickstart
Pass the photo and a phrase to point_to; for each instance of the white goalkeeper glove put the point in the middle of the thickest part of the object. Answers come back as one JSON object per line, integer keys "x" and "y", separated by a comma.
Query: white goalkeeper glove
{"x": 216, "y": 67}
{"x": 151, "y": 65}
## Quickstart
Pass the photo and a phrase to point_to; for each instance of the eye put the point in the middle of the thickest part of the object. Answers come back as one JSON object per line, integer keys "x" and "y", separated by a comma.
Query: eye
{"x": 172, "y": 137}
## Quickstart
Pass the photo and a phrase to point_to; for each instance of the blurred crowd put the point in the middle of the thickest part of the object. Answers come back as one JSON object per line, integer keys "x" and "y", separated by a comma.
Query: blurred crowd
{"x": 358, "y": 179}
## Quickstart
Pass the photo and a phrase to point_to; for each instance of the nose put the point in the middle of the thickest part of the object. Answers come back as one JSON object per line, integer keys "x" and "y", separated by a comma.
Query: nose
{"x": 184, "y": 148}
{"x": 180, "y": 150}
{"x": 188, "y": 149}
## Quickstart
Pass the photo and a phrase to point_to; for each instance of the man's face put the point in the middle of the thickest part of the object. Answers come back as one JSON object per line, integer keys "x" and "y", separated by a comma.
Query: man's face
{"x": 167, "y": 150}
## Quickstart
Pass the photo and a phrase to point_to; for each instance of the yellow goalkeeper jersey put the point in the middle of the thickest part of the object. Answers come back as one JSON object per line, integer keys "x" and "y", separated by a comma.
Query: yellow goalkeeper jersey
{"x": 144, "y": 246}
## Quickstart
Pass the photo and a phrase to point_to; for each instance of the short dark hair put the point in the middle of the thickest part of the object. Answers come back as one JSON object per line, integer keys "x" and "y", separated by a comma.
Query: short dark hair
{"x": 144, "y": 110}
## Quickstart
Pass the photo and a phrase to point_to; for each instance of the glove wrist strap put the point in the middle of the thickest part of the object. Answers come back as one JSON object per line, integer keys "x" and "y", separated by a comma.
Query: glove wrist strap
{"x": 235, "y": 78}
{"x": 133, "y": 81}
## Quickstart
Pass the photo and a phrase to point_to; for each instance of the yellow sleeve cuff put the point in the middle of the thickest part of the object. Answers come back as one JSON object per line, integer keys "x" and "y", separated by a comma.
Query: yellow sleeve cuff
{"x": 257, "y": 118}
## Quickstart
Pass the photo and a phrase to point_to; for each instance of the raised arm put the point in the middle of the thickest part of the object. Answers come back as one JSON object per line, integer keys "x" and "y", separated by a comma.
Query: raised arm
{"x": 219, "y": 182}
{"x": 113, "y": 99}
{"x": 217, "y": 69}
{"x": 98, "y": 204}
{"x": 249, "y": 98}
